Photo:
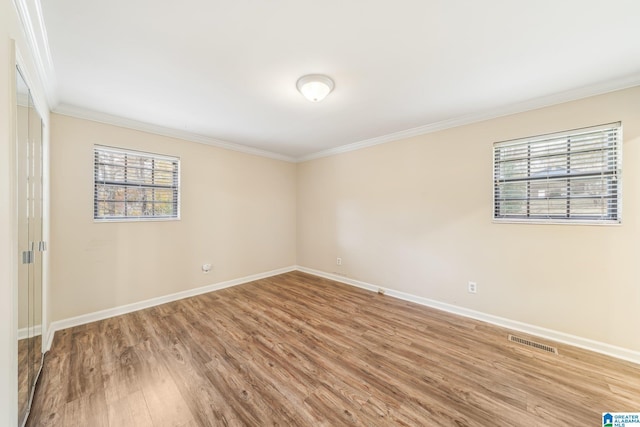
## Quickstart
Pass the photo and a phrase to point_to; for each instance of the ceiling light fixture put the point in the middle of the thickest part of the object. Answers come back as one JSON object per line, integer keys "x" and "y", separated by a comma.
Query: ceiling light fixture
{"x": 314, "y": 87}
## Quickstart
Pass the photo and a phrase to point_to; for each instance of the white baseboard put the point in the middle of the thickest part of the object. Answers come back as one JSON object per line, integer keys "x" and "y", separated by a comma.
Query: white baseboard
{"x": 49, "y": 339}
{"x": 128, "y": 308}
{"x": 561, "y": 337}
{"x": 24, "y": 332}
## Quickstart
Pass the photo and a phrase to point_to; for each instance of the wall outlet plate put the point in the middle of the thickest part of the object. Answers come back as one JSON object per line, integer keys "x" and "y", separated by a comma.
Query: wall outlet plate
{"x": 473, "y": 287}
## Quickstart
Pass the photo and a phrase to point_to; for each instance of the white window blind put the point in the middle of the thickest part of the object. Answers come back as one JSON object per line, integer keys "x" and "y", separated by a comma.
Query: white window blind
{"x": 572, "y": 176}
{"x": 135, "y": 185}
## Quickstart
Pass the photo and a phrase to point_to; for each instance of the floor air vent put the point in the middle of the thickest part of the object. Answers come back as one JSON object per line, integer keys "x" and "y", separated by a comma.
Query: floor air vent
{"x": 533, "y": 344}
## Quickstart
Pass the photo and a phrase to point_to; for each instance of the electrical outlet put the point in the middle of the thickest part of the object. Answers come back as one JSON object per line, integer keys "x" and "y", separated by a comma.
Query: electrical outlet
{"x": 206, "y": 268}
{"x": 473, "y": 287}
{"x": 338, "y": 261}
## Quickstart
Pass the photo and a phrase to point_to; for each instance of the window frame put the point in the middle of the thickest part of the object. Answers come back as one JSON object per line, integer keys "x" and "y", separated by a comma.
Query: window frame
{"x": 614, "y": 172}
{"x": 175, "y": 187}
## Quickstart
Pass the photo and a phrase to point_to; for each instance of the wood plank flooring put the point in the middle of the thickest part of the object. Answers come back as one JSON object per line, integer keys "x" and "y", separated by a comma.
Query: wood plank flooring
{"x": 23, "y": 377}
{"x": 29, "y": 359}
{"x": 296, "y": 349}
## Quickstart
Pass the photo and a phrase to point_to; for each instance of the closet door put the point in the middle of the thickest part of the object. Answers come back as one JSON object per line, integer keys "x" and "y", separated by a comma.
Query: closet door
{"x": 29, "y": 181}
{"x": 24, "y": 263}
{"x": 36, "y": 239}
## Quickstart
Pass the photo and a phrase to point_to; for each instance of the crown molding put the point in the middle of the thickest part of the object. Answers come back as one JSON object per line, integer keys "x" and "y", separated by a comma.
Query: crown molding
{"x": 30, "y": 13}
{"x": 533, "y": 104}
{"x": 546, "y": 101}
{"x": 95, "y": 116}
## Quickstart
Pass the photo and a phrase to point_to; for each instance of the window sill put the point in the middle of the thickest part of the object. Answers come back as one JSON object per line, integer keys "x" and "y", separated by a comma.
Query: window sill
{"x": 556, "y": 222}
{"x": 108, "y": 220}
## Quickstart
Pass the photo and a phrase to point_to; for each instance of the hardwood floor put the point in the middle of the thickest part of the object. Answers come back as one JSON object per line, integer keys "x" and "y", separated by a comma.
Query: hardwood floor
{"x": 23, "y": 377}
{"x": 29, "y": 350}
{"x": 296, "y": 349}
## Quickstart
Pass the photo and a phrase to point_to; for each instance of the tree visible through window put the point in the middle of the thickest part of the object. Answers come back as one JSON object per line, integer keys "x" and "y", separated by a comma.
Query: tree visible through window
{"x": 572, "y": 176}
{"x": 134, "y": 185}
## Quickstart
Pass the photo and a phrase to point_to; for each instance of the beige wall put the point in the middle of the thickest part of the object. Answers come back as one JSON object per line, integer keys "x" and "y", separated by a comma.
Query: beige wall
{"x": 237, "y": 212}
{"x": 416, "y": 216}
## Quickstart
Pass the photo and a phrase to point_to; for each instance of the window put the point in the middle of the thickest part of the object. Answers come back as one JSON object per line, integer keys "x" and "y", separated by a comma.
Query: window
{"x": 571, "y": 176}
{"x": 134, "y": 185}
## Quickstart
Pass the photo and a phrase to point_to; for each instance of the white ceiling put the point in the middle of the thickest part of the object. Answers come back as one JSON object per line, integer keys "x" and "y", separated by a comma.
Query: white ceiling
{"x": 227, "y": 69}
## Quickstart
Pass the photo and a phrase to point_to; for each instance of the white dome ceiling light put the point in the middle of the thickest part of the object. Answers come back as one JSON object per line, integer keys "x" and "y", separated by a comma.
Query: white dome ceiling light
{"x": 314, "y": 87}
